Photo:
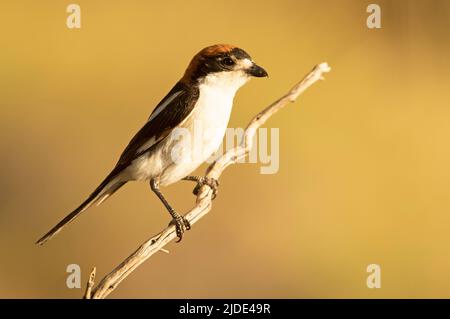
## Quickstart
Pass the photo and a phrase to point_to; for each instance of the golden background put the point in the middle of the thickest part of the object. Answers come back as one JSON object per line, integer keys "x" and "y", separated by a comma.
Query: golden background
{"x": 364, "y": 156}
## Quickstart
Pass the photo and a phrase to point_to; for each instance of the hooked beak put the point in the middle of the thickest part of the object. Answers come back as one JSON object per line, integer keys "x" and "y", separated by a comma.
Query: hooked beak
{"x": 257, "y": 71}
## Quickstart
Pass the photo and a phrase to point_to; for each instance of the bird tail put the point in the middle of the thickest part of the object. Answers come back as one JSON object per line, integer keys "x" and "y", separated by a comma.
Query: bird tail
{"x": 108, "y": 187}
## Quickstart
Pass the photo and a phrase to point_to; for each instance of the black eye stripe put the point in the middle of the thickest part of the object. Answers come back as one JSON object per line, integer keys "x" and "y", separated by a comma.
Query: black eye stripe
{"x": 218, "y": 63}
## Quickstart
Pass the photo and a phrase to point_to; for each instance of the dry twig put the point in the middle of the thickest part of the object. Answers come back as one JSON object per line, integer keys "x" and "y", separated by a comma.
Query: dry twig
{"x": 203, "y": 203}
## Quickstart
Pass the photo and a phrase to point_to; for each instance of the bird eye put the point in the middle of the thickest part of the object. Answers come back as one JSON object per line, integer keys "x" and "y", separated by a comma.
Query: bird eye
{"x": 228, "y": 61}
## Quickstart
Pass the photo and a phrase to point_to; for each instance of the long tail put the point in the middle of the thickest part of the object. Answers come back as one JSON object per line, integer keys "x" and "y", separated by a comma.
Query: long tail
{"x": 101, "y": 193}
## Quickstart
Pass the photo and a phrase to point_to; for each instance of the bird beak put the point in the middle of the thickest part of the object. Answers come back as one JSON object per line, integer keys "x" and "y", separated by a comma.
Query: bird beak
{"x": 256, "y": 71}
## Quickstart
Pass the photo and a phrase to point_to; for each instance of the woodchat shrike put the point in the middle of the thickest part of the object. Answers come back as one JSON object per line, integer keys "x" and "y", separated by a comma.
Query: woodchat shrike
{"x": 203, "y": 97}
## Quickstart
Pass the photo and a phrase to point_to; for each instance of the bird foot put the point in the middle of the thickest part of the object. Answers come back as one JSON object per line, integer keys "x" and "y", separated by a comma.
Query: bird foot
{"x": 181, "y": 225}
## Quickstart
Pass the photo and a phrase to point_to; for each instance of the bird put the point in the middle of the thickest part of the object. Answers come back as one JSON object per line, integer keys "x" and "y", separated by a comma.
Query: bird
{"x": 162, "y": 152}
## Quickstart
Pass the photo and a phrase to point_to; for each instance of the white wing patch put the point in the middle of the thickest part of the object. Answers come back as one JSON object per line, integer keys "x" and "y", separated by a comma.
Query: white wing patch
{"x": 162, "y": 106}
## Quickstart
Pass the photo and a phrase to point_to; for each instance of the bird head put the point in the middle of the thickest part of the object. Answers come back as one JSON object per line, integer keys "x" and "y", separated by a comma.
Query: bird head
{"x": 222, "y": 64}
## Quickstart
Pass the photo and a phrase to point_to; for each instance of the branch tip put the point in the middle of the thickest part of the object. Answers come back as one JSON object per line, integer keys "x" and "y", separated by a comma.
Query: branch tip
{"x": 324, "y": 67}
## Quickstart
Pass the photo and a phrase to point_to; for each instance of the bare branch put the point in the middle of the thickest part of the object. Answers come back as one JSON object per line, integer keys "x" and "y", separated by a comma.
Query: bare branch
{"x": 204, "y": 201}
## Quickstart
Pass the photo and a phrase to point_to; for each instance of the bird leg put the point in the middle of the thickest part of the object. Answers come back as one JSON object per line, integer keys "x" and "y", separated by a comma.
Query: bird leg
{"x": 181, "y": 223}
{"x": 204, "y": 180}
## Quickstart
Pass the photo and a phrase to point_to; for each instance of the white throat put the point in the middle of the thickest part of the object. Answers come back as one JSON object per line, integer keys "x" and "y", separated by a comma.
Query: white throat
{"x": 229, "y": 82}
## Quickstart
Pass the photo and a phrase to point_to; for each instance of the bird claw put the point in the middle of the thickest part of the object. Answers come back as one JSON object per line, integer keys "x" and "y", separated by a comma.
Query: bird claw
{"x": 181, "y": 225}
{"x": 211, "y": 182}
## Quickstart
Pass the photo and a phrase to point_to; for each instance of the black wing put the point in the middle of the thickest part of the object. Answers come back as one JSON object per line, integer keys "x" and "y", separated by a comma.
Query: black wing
{"x": 174, "y": 108}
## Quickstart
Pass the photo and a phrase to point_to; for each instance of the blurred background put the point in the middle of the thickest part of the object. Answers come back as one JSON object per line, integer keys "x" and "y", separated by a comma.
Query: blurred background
{"x": 364, "y": 171}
